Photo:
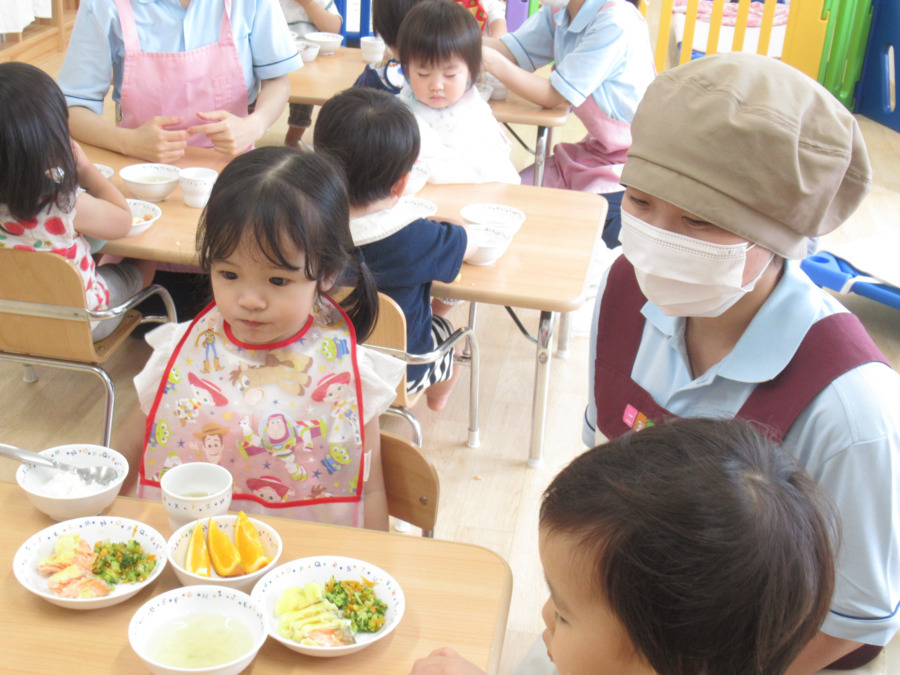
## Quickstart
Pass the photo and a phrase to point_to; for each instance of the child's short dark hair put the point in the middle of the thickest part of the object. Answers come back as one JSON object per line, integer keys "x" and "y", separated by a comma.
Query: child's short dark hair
{"x": 275, "y": 195}
{"x": 711, "y": 545}
{"x": 34, "y": 142}
{"x": 373, "y": 136}
{"x": 435, "y": 31}
{"x": 387, "y": 15}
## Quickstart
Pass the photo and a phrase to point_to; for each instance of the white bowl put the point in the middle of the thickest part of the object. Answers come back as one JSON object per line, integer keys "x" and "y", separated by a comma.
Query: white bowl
{"x": 372, "y": 48}
{"x": 484, "y": 90}
{"x": 180, "y": 603}
{"x": 492, "y": 243}
{"x": 105, "y": 171}
{"x": 93, "y": 529}
{"x": 506, "y": 218}
{"x": 152, "y": 182}
{"x": 500, "y": 90}
{"x": 328, "y": 42}
{"x": 321, "y": 569}
{"x": 308, "y": 50}
{"x": 417, "y": 179}
{"x": 95, "y": 497}
{"x": 143, "y": 215}
{"x": 176, "y": 550}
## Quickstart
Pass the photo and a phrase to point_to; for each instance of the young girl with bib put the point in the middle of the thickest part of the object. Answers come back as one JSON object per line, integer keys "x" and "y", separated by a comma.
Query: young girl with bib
{"x": 439, "y": 45}
{"x": 270, "y": 373}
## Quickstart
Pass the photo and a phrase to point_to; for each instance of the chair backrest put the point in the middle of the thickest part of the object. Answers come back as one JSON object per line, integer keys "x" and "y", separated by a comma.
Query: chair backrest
{"x": 390, "y": 332}
{"x": 411, "y": 482}
{"x": 43, "y": 278}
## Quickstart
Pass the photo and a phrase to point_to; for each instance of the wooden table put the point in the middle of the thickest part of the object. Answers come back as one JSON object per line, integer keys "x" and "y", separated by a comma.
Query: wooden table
{"x": 545, "y": 267}
{"x": 319, "y": 80}
{"x": 456, "y": 594}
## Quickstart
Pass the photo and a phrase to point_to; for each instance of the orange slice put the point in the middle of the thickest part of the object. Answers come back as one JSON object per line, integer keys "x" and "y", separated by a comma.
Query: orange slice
{"x": 222, "y": 552}
{"x": 196, "y": 561}
{"x": 246, "y": 537}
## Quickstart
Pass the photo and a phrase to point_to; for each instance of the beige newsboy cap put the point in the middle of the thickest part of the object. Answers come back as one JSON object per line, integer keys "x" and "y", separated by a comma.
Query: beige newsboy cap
{"x": 751, "y": 145}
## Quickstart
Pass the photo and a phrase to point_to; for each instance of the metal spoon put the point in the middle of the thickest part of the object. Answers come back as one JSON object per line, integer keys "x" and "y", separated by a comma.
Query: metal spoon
{"x": 91, "y": 474}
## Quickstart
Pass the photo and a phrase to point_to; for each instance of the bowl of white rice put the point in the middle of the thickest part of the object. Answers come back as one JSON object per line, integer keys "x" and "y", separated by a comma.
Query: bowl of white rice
{"x": 63, "y": 495}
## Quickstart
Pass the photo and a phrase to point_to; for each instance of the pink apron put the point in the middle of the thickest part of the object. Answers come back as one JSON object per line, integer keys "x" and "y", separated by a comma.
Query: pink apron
{"x": 180, "y": 84}
{"x": 595, "y": 163}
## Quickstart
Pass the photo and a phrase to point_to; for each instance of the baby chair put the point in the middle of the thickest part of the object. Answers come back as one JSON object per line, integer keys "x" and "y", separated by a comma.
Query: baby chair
{"x": 411, "y": 482}
{"x": 44, "y": 319}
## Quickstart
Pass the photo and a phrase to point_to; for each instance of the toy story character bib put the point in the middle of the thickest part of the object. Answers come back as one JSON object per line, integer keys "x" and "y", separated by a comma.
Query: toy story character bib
{"x": 284, "y": 418}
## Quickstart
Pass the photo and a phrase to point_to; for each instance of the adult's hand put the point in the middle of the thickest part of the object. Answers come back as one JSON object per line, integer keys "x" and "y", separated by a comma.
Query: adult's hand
{"x": 445, "y": 661}
{"x": 229, "y": 134}
{"x": 154, "y": 142}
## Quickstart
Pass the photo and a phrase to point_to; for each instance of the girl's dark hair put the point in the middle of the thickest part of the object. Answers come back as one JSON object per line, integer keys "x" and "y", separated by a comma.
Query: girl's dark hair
{"x": 373, "y": 136}
{"x": 34, "y": 143}
{"x": 274, "y": 196}
{"x": 711, "y": 545}
{"x": 387, "y": 15}
{"x": 435, "y": 31}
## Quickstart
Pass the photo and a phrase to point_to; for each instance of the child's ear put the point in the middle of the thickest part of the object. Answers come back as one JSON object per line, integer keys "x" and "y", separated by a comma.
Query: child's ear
{"x": 327, "y": 283}
{"x": 400, "y": 186}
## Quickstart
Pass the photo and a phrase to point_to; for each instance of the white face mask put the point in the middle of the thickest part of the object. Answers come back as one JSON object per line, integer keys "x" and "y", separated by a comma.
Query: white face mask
{"x": 684, "y": 276}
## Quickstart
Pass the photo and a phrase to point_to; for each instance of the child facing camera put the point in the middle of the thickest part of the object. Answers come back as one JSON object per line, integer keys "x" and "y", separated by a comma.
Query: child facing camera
{"x": 439, "y": 45}
{"x": 695, "y": 547}
{"x": 374, "y": 137}
{"x": 41, "y": 207}
{"x": 291, "y": 398}
{"x": 708, "y": 311}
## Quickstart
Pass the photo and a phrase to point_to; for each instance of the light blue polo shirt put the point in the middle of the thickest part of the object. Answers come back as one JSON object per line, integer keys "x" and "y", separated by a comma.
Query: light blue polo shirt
{"x": 605, "y": 54}
{"x": 848, "y": 437}
{"x": 96, "y": 52}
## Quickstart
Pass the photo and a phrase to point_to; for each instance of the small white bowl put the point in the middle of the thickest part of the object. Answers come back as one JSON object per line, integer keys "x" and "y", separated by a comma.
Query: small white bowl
{"x": 500, "y": 216}
{"x": 308, "y": 50}
{"x": 180, "y": 603}
{"x": 492, "y": 244}
{"x": 32, "y": 480}
{"x": 500, "y": 90}
{"x": 196, "y": 185}
{"x": 372, "y": 48}
{"x": 152, "y": 182}
{"x": 143, "y": 215}
{"x": 328, "y": 42}
{"x": 321, "y": 569}
{"x": 417, "y": 179}
{"x": 92, "y": 530}
{"x": 484, "y": 90}
{"x": 105, "y": 171}
{"x": 176, "y": 550}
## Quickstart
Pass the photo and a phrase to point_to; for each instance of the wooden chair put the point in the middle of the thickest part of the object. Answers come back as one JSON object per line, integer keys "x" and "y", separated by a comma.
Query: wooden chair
{"x": 44, "y": 319}
{"x": 389, "y": 336}
{"x": 411, "y": 481}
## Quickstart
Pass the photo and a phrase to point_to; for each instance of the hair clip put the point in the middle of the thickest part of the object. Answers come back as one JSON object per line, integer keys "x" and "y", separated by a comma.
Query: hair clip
{"x": 56, "y": 174}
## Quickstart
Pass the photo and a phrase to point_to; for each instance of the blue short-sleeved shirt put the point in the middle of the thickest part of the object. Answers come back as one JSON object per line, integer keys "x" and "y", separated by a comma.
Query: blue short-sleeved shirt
{"x": 96, "y": 51}
{"x": 604, "y": 52}
{"x": 848, "y": 437}
{"x": 404, "y": 265}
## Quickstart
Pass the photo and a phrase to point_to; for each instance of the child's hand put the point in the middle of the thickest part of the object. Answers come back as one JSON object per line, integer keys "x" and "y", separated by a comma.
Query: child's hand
{"x": 81, "y": 159}
{"x": 445, "y": 661}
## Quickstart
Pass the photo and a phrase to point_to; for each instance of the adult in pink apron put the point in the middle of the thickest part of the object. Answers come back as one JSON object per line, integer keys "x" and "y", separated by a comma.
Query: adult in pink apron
{"x": 180, "y": 84}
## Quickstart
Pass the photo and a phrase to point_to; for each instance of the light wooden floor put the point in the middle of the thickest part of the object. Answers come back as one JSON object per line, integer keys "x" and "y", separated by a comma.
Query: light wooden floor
{"x": 489, "y": 496}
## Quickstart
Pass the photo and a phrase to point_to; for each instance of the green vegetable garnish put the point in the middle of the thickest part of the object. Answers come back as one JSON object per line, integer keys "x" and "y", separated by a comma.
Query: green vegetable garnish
{"x": 357, "y": 602}
{"x": 122, "y": 562}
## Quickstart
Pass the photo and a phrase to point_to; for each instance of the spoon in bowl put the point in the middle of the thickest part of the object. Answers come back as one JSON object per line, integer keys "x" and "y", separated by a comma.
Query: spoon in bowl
{"x": 90, "y": 474}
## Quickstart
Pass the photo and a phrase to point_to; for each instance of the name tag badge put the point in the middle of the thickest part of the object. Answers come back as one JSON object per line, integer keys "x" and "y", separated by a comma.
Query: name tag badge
{"x": 635, "y": 419}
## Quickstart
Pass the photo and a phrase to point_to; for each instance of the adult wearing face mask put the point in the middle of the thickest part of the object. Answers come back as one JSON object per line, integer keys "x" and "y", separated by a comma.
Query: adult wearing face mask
{"x": 602, "y": 66}
{"x": 737, "y": 159}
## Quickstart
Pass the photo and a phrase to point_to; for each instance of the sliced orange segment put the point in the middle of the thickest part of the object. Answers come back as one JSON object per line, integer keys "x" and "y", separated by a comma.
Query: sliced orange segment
{"x": 222, "y": 552}
{"x": 196, "y": 561}
{"x": 249, "y": 546}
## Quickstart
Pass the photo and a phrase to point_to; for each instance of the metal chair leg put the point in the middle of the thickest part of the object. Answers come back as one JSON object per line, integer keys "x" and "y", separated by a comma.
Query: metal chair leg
{"x": 30, "y": 375}
{"x": 413, "y": 422}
